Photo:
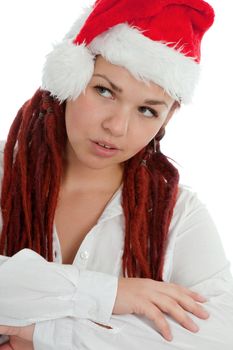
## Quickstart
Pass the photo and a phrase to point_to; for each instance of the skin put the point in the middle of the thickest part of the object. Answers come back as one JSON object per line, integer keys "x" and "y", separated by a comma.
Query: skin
{"x": 121, "y": 118}
{"x": 124, "y": 119}
{"x": 20, "y": 337}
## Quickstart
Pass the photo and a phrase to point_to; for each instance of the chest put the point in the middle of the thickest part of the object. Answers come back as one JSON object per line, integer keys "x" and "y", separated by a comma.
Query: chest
{"x": 76, "y": 214}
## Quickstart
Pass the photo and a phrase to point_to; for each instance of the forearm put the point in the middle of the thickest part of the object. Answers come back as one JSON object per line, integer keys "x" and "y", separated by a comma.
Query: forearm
{"x": 134, "y": 332}
{"x": 34, "y": 290}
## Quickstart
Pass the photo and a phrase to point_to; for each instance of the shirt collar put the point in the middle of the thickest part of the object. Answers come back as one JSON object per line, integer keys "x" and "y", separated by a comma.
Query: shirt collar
{"x": 113, "y": 207}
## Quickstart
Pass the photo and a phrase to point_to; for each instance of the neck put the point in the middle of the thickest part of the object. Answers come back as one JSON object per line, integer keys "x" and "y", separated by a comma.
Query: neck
{"x": 79, "y": 177}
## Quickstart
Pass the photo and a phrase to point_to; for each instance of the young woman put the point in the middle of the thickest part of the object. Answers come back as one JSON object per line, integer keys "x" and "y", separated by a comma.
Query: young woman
{"x": 102, "y": 248}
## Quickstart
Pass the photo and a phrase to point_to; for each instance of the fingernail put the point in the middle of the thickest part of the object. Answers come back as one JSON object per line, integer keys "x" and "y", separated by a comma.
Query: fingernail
{"x": 202, "y": 297}
{"x": 169, "y": 337}
{"x": 206, "y": 313}
{"x": 194, "y": 327}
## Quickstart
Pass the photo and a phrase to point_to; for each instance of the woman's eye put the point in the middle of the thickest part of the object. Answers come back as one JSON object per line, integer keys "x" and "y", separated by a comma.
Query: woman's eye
{"x": 149, "y": 112}
{"x": 103, "y": 91}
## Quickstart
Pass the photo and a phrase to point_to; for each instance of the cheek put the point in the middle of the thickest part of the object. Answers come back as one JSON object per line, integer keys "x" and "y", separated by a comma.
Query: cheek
{"x": 145, "y": 135}
{"x": 77, "y": 117}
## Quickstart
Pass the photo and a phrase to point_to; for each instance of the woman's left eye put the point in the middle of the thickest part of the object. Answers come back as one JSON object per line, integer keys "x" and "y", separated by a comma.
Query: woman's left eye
{"x": 103, "y": 91}
{"x": 150, "y": 112}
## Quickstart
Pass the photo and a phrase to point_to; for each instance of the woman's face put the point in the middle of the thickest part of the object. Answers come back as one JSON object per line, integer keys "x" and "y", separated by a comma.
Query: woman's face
{"x": 118, "y": 109}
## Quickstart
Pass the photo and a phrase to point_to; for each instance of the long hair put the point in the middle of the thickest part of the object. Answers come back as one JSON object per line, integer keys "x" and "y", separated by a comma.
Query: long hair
{"x": 34, "y": 156}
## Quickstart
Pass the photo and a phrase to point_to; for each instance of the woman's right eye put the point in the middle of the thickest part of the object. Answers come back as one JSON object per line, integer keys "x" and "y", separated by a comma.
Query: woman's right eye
{"x": 103, "y": 91}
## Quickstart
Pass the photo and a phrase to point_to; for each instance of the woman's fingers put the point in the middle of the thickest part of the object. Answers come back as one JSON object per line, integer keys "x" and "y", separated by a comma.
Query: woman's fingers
{"x": 9, "y": 330}
{"x": 20, "y": 344}
{"x": 6, "y": 347}
{"x": 191, "y": 306}
{"x": 198, "y": 297}
{"x": 154, "y": 299}
{"x": 155, "y": 315}
{"x": 25, "y": 332}
{"x": 174, "y": 290}
{"x": 194, "y": 295}
{"x": 178, "y": 314}
{"x": 172, "y": 308}
{"x": 185, "y": 298}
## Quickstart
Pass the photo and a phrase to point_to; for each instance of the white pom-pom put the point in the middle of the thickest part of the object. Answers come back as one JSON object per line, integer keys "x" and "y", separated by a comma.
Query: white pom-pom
{"x": 67, "y": 70}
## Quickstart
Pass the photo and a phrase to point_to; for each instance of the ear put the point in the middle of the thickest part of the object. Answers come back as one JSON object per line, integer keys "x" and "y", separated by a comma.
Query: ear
{"x": 175, "y": 106}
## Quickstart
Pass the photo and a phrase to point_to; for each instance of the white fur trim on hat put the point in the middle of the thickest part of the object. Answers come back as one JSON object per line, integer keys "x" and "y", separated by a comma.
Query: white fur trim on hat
{"x": 148, "y": 60}
{"x": 69, "y": 67}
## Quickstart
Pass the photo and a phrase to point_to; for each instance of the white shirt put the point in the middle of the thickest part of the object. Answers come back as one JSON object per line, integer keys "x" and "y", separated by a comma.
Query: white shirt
{"x": 64, "y": 300}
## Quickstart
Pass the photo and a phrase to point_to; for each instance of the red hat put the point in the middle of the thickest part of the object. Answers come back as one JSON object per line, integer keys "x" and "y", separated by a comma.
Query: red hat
{"x": 156, "y": 40}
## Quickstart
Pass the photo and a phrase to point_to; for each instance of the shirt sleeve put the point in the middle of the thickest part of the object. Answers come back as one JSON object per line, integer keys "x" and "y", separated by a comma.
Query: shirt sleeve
{"x": 199, "y": 263}
{"x": 198, "y": 253}
{"x": 33, "y": 290}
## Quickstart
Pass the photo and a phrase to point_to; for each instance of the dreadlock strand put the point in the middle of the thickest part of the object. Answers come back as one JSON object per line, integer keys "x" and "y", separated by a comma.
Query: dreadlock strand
{"x": 136, "y": 224}
{"x": 23, "y": 193}
{"x": 145, "y": 219}
{"x": 161, "y": 188}
{"x": 55, "y": 154}
{"x": 128, "y": 204}
{"x": 168, "y": 179}
{"x": 26, "y": 163}
{"x": 8, "y": 157}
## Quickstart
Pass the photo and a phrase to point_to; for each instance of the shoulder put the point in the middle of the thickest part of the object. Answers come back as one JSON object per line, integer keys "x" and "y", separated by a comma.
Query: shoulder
{"x": 188, "y": 201}
{"x": 187, "y": 206}
{"x": 189, "y": 212}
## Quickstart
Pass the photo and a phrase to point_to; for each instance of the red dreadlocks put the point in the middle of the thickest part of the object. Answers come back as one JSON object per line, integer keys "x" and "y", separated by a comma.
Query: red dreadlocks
{"x": 33, "y": 162}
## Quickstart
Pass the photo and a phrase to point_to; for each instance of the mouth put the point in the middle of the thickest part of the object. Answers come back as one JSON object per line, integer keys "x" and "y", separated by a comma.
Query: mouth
{"x": 101, "y": 150}
{"x": 106, "y": 145}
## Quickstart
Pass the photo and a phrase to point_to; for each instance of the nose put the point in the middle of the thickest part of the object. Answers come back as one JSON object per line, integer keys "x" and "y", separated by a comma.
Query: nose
{"x": 117, "y": 122}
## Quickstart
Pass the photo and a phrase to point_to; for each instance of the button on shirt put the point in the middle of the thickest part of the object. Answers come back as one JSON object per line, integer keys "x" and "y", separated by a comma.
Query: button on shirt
{"x": 84, "y": 255}
{"x": 65, "y": 301}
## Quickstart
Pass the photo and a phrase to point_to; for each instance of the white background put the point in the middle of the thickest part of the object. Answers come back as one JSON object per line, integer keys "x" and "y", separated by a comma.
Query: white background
{"x": 199, "y": 137}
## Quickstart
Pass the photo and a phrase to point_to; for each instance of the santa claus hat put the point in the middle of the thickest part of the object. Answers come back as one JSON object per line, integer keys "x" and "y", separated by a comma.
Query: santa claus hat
{"x": 156, "y": 40}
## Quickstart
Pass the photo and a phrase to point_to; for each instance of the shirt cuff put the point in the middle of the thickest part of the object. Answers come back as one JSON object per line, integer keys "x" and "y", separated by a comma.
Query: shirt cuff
{"x": 58, "y": 291}
{"x": 95, "y": 296}
{"x": 54, "y": 334}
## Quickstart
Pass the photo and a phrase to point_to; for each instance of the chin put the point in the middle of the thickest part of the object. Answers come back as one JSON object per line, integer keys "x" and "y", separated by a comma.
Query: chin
{"x": 96, "y": 164}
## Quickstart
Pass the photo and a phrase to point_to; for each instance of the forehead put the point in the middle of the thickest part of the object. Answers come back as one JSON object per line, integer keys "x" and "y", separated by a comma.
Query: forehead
{"x": 125, "y": 80}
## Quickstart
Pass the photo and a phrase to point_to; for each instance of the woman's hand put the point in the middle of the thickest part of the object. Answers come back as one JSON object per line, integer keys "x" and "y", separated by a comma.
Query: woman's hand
{"x": 20, "y": 337}
{"x": 143, "y": 296}
{"x": 16, "y": 343}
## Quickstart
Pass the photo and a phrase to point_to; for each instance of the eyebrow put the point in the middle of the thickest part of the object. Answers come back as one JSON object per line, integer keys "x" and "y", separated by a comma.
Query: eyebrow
{"x": 120, "y": 90}
{"x": 114, "y": 87}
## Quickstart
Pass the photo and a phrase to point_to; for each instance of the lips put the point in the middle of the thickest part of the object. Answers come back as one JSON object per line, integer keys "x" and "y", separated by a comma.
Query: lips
{"x": 105, "y": 143}
{"x": 102, "y": 151}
